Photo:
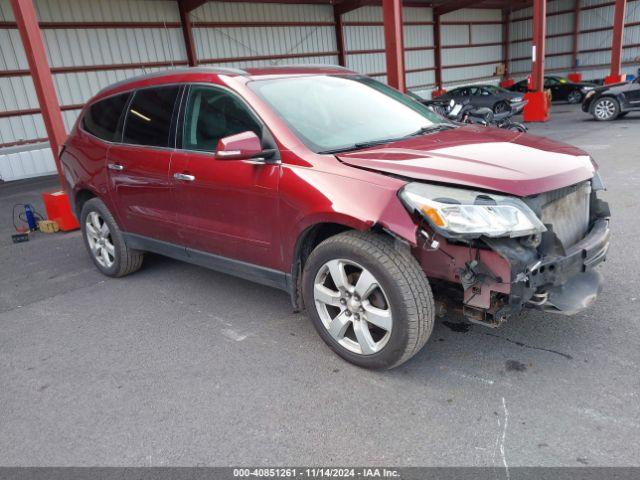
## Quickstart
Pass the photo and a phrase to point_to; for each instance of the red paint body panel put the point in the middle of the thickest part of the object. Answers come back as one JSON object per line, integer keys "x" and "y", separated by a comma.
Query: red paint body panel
{"x": 142, "y": 191}
{"x": 231, "y": 209}
{"x": 475, "y": 156}
{"x": 257, "y": 212}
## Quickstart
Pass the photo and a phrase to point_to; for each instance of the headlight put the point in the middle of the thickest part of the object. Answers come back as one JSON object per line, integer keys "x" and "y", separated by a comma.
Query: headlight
{"x": 586, "y": 89}
{"x": 590, "y": 94}
{"x": 516, "y": 100}
{"x": 456, "y": 212}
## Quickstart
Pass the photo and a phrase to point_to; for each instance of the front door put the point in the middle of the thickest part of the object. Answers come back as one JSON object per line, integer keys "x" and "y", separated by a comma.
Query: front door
{"x": 225, "y": 207}
{"x": 633, "y": 94}
{"x": 139, "y": 167}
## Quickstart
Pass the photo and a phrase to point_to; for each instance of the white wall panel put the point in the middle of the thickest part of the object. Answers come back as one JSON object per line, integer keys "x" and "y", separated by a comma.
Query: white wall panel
{"x": 261, "y": 12}
{"x": 26, "y": 164}
{"x": 475, "y": 14}
{"x": 486, "y": 33}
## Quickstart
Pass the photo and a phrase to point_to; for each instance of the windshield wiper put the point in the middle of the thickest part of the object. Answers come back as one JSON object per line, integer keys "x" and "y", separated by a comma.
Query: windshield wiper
{"x": 431, "y": 129}
{"x": 373, "y": 143}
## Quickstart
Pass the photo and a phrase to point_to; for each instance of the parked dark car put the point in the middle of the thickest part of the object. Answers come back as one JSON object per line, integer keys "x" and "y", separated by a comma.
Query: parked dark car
{"x": 613, "y": 101}
{"x": 561, "y": 88}
{"x": 339, "y": 190}
{"x": 496, "y": 98}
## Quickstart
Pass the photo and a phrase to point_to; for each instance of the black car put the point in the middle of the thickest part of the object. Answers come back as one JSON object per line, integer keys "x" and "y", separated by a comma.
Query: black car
{"x": 612, "y": 101}
{"x": 561, "y": 88}
{"x": 496, "y": 98}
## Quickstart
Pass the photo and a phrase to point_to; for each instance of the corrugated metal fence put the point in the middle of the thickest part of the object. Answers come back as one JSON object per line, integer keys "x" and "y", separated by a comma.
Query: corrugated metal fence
{"x": 594, "y": 38}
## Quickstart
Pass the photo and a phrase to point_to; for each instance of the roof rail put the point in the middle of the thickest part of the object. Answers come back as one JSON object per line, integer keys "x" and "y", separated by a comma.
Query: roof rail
{"x": 173, "y": 71}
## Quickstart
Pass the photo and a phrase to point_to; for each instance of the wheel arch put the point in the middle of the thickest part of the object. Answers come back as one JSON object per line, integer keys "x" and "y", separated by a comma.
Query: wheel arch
{"x": 81, "y": 197}
{"x": 310, "y": 238}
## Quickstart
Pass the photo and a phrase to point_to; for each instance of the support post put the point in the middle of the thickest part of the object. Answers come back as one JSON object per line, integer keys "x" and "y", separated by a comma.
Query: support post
{"x": 575, "y": 76}
{"x": 31, "y": 36}
{"x": 615, "y": 75}
{"x": 394, "y": 43}
{"x": 342, "y": 58}
{"x": 539, "y": 100}
{"x": 187, "y": 33}
{"x": 506, "y": 44}
{"x": 437, "y": 55}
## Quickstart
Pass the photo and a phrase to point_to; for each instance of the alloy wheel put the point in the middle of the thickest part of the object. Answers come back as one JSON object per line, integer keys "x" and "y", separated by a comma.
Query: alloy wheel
{"x": 99, "y": 239}
{"x": 604, "y": 109}
{"x": 500, "y": 107}
{"x": 353, "y": 306}
{"x": 574, "y": 97}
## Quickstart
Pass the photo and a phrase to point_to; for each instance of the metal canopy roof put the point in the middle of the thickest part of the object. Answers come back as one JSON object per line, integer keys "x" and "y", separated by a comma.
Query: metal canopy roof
{"x": 441, "y": 6}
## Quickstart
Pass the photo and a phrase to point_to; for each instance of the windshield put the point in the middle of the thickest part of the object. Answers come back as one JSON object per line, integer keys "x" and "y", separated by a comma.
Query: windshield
{"x": 333, "y": 113}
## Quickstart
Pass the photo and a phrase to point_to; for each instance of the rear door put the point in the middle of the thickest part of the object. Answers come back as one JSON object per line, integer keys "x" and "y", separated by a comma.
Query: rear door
{"x": 139, "y": 166}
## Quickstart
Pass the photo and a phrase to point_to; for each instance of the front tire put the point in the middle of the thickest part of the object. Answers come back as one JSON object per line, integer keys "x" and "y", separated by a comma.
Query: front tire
{"x": 574, "y": 97}
{"x": 605, "y": 109}
{"x": 105, "y": 243}
{"x": 501, "y": 107}
{"x": 368, "y": 299}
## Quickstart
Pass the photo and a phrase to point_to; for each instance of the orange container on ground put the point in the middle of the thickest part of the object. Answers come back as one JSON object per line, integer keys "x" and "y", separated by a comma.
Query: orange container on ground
{"x": 59, "y": 210}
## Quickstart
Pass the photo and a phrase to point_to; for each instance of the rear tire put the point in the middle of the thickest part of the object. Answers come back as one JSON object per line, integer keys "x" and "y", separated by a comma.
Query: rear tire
{"x": 605, "y": 109}
{"x": 105, "y": 243}
{"x": 383, "y": 327}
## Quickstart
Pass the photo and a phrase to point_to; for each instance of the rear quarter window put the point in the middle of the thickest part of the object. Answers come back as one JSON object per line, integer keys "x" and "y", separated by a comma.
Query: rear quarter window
{"x": 101, "y": 119}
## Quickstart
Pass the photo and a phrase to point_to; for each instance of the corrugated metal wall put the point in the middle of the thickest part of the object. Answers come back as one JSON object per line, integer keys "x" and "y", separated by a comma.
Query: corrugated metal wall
{"x": 364, "y": 43}
{"x": 71, "y": 50}
{"x": 593, "y": 46}
{"x": 312, "y": 41}
{"x": 467, "y": 62}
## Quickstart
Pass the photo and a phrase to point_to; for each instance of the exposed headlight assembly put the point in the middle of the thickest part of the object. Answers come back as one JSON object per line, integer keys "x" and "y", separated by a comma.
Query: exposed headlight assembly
{"x": 460, "y": 213}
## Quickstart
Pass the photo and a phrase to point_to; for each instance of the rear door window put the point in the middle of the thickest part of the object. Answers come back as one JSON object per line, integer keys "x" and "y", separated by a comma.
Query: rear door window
{"x": 101, "y": 119}
{"x": 148, "y": 120}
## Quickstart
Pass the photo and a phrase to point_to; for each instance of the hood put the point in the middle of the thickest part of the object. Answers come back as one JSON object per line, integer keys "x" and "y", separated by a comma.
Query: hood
{"x": 479, "y": 157}
{"x": 617, "y": 87}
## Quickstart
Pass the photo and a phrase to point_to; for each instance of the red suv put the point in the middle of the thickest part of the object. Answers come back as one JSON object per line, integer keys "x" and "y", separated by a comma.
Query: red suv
{"x": 357, "y": 200}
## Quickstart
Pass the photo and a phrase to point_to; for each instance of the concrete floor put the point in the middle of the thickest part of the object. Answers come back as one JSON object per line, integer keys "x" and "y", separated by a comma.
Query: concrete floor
{"x": 178, "y": 365}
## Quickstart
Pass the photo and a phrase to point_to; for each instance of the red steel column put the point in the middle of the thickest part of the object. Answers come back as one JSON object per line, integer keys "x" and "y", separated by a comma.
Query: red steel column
{"x": 538, "y": 46}
{"x": 539, "y": 100}
{"x": 394, "y": 43}
{"x": 506, "y": 44}
{"x": 575, "y": 76}
{"x": 437, "y": 53}
{"x": 187, "y": 32}
{"x": 342, "y": 60}
{"x": 41, "y": 74}
{"x": 616, "y": 46}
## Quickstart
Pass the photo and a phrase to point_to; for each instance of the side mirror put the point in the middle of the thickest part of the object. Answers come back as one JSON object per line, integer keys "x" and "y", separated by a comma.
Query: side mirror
{"x": 240, "y": 146}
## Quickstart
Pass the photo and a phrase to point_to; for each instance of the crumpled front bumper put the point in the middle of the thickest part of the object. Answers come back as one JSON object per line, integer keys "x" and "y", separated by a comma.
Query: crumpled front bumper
{"x": 507, "y": 277}
{"x": 571, "y": 282}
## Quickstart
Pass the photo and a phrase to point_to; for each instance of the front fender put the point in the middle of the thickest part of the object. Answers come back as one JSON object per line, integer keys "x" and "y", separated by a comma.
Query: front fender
{"x": 310, "y": 197}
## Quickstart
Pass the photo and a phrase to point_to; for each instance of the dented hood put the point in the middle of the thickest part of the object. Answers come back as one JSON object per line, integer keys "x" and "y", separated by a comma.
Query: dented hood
{"x": 479, "y": 157}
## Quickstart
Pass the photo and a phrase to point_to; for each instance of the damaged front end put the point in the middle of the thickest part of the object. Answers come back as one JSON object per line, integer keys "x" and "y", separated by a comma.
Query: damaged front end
{"x": 509, "y": 253}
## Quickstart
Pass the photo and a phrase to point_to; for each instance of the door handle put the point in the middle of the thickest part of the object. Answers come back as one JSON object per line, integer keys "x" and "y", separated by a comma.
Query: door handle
{"x": 115, "y": 166}
{"x": 184, "y": 177}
